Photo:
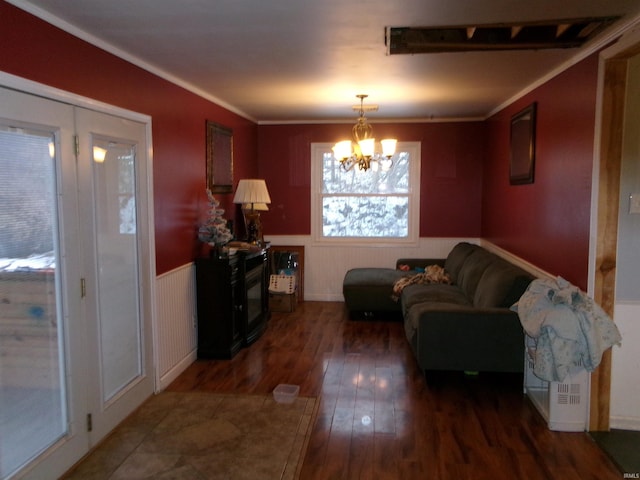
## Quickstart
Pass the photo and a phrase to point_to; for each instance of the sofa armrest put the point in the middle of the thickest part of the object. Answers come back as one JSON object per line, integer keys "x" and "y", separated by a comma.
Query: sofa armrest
{"x": 419, "y": 262}
{"x": 464, "y": 338}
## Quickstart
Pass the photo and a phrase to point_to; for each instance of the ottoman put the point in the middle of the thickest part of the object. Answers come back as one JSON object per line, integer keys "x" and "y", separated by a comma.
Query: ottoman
{"x": 367, "y": 292}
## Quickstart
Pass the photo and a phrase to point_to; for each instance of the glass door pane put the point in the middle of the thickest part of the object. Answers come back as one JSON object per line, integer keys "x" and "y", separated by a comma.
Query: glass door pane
{"x": 33, "y": 411}
{"x": 117, "y": 264}
{"x": 112, "y": 200}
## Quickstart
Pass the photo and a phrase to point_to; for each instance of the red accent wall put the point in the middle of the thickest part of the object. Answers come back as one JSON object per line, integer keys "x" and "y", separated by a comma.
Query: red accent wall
{"x": 36, "y": 50}
{"x": 450, "y": 184}
{"x": 547, "y": 222}
{"x": 464, "y": 180}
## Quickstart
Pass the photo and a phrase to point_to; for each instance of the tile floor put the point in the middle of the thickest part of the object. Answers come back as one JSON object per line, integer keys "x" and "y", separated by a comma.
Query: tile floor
{"x": 623, "y": 447}
{"x": 204, "y": 436}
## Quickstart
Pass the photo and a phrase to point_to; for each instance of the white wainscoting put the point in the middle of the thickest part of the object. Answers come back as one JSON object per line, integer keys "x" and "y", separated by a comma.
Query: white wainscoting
{"x": 625, "y": 388}
{"x": 176, "y": 326}
{"x": 325, "y": 266}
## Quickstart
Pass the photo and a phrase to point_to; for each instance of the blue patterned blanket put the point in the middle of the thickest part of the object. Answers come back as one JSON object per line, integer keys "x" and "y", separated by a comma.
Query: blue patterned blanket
{"x": 568, "y": 327}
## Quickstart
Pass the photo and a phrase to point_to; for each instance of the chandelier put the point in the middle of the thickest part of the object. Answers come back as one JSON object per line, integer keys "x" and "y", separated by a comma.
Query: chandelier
{"x": 363, "y": 153}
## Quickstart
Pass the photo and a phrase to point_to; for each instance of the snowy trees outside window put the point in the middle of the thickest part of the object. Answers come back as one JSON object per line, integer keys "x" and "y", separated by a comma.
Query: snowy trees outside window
{"x": 375, "y": 205}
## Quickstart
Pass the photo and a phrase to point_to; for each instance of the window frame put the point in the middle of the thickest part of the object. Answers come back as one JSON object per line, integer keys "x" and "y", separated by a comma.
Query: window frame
{"x": 317, "y": 152}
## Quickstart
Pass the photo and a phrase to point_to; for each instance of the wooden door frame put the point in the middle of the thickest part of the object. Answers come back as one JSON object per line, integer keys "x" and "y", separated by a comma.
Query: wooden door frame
{"x": 612, "y": 86}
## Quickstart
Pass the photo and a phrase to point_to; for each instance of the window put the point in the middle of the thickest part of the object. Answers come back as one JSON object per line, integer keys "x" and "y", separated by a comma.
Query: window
{"x": 118, "y": 167}
{"x": 365, "y": 207}
{"x": 127, "y": 191}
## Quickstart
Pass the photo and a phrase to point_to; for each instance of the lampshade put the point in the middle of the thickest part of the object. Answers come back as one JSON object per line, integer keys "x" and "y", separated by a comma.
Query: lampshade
{"x": 367, "y": 146}
{"x": 342, "y": 149}
{"x": 388, "y": 147}
{"x": 252, "y": 193}
{"x": 252, "y": 190}
{"x": 258, "y": 207}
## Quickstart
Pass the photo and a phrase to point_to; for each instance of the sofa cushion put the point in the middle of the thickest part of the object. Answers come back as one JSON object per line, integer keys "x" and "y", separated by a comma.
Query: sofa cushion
{"x": 456, "y": 259}
{"x": 518, "y": 287}
{"x": 494, "y": 285}
{"x": 433, "y": 293}
{"x": 371, "y": 289}
{"x": 472, "y": 269}
{"x": 366, "y": 277}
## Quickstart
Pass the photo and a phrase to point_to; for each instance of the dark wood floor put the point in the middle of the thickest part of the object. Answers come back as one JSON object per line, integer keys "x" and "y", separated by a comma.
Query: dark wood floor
{"x": 380, "y": 419}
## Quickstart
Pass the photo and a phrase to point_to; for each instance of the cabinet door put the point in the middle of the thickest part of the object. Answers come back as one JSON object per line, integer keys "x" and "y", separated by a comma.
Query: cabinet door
{"x": 238, "y": 313}
{"x": 219, "y": 309}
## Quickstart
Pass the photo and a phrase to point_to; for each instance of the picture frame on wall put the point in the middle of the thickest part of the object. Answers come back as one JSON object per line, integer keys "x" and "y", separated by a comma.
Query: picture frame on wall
{"x": 219, "y": 158}
{"x": 523, "y": 146}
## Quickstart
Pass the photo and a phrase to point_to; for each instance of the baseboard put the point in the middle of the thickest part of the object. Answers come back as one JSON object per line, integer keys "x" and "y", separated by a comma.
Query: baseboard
{"x": 625, "y": 423}
{"x": 166, "y": 379}
{"x": 328, "y": 297}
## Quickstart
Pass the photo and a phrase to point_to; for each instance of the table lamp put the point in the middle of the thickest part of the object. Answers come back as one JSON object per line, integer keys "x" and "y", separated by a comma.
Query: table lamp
{"x": 252, "y": 193}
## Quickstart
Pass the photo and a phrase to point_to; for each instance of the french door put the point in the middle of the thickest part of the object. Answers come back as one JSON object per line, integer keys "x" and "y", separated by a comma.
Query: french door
{"x": 75, "y": 318}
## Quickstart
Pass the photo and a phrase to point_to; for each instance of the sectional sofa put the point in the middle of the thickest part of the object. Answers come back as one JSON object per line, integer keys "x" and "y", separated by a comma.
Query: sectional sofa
{"x": 462, "y": 325}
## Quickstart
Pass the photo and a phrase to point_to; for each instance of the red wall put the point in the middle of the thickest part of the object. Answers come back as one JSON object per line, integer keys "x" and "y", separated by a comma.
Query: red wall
{"x": 547, "y": 222}
{"x": 36, "y": 50}
{"x": 451, "y": 173}
{"x": 464, "y": 180}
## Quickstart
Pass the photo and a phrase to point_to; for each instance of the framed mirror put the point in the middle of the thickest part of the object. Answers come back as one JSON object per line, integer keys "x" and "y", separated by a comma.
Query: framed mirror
{"x": 523, "y": 146}
{"x": 219, "y": 158}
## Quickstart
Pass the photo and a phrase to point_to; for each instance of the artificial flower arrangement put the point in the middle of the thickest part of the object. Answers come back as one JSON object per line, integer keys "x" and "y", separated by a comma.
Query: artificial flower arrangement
{"x": 214, "y": 231}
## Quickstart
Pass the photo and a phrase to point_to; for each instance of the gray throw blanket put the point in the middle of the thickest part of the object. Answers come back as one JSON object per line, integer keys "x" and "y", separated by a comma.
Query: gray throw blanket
{"x": 569, "y": 328}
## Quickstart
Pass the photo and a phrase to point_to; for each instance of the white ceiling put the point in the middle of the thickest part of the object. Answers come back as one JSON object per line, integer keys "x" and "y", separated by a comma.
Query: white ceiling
{"x": 277, "y": 61}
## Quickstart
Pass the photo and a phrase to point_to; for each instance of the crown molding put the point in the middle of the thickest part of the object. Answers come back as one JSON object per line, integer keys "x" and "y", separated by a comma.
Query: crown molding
{"x": 108, "y": 47}
{"x": 614, "y": 35}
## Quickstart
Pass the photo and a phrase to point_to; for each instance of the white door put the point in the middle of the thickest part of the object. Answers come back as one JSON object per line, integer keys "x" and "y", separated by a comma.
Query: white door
{"x": 75, "y": 333}
{"x": 41, "y": 365}
{"x": 112, "y": 197}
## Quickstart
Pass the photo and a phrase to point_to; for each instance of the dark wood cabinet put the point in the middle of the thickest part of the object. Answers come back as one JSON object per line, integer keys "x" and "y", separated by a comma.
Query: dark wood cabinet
{"x": 232, "y": 302}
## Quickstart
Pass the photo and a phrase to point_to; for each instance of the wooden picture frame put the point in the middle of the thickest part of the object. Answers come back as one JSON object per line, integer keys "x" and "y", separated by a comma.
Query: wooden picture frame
{"x": 219, "y": 158}
{"x": 523, "y": 146}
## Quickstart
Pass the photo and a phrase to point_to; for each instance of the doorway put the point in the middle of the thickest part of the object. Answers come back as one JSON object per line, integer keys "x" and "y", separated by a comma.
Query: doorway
{"x": 75, "y": 280}
{"x": 613, "y": 87}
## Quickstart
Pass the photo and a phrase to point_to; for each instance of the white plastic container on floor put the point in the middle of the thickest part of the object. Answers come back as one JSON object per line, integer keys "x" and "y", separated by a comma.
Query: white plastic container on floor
{"x": 285, "y": 393}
